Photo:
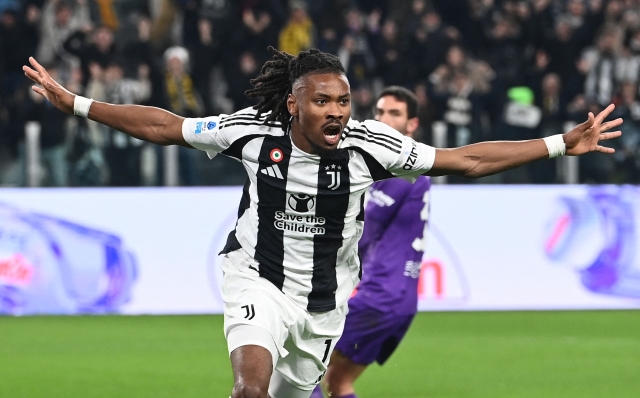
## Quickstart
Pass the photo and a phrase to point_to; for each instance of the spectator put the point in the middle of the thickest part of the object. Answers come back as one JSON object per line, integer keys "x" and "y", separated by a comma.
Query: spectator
{"x": 139, "y": 51}
{"x": 100, "y": 49}
{"x": 53, "y": 136}
{"x": 576, "y": 12}
{"x": 206, "y": 54}
{"x": 238, "y": 78}
{"x": 59, "y": 19}
{"x": 429, "y": 44}
{"x": 520, "y": 121}
{"x": 552, "y": 104}
{"x": 182, "y": 99}
{"x": 567, "y": 43}
{"x": 355, "y": 51}
{"x": 628, "y": 155}
{"x": 506, "y": 52}
{"x": 362, "y": 104}
{"x": 605, "y": 66}
{"x": 10, "y": 133}
{"x": 297, "y": 34}
{"x": 123, "y": 152}
{"x": 331, "y": 29}
{"x": 458, "y": 88}
{"x": 18, "y": 41}
{"x": 261, "y": 21}
{"x": 391, "y": 55}
{"x": 426, "y": 114}
{"x": 221, "y": 15}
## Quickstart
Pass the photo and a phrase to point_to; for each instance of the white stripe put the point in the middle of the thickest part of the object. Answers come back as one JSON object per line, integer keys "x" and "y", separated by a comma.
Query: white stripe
{"x": 302, "y": 178}
{"x": 247, "y": 229}
{"x": 277, "y": 171}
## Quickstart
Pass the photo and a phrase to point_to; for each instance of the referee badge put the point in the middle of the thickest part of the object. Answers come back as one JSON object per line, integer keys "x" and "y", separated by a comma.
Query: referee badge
{"x": 276, "y": 155}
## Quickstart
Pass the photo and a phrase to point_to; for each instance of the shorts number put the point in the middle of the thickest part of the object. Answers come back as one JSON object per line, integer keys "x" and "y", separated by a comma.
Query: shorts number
{"x": 326, "y": 350}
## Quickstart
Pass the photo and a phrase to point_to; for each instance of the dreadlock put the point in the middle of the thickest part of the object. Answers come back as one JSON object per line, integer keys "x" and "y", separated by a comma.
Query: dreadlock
{"x": 278, "y": 75}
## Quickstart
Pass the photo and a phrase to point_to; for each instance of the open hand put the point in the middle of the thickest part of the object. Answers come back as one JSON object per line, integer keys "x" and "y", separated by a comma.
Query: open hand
{"x": 586, "y": 136}
{"x": 60, "y": 97}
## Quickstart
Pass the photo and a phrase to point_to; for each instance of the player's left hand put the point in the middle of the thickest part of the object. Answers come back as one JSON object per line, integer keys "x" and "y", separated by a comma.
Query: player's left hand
{"x": 50, "y": 89}
{"x": 586, "y": 136}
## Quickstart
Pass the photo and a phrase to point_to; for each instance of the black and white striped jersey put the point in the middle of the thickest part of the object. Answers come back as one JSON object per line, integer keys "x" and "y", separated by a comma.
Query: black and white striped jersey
{"x": 301, "y": 215}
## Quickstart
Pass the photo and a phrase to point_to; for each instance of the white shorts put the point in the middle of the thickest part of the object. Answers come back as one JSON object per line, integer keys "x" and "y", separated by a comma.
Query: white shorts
{"x": 303, "y": 341}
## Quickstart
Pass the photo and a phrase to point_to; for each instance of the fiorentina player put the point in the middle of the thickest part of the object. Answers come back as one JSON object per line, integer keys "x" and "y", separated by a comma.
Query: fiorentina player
{"x": 391, "y": 248}
{"x": 292, "y": 262}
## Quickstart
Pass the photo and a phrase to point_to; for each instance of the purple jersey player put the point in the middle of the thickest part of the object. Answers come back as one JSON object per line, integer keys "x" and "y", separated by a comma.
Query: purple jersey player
{"x": 391, "y": 248}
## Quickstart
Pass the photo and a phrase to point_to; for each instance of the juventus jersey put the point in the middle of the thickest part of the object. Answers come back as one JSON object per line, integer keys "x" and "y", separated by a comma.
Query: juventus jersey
{"x": 301, "y": 215}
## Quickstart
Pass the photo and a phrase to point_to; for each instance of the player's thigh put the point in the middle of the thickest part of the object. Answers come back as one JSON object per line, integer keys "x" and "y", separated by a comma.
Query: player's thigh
{"x": 280, "y": 387}
{"x": 310, "y": 344}
{"x": 248, "y": 300}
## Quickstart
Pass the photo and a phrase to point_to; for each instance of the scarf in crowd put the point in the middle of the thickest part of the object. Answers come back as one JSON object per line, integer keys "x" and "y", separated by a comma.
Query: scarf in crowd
{"x": 181, "y": 96}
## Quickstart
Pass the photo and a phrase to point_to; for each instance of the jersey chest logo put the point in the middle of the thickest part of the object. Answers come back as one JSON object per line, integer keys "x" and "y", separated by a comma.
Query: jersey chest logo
{"x": 334, "y": 172}
{"x": 301, "y": 203}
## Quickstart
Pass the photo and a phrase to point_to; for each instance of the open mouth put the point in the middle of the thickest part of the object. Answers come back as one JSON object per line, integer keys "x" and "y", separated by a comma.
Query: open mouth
{"x": 332, "y": 133}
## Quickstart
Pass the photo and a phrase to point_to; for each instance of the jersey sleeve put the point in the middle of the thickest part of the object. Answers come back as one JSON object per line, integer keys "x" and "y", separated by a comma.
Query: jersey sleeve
{"x": 204, "y": 134}
{"x": 399, "y": 155}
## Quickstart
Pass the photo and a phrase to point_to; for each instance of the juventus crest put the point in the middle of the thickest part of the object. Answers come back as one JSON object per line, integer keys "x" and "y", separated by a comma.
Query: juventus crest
{"x": 334, "y": 173}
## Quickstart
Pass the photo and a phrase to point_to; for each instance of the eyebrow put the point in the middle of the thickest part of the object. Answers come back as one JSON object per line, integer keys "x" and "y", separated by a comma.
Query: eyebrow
{"x": 392, "y": 110}
{"x": 323, "y": 95}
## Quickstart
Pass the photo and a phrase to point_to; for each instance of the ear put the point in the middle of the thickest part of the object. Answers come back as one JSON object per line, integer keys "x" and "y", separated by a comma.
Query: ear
{"x": 292, "y": 105}
{"x": 412, "y": 126}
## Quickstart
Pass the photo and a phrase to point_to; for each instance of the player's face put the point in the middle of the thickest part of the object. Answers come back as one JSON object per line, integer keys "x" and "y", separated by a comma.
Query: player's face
{"x": 394, "y": 113}
{"x": 321, "y": 107}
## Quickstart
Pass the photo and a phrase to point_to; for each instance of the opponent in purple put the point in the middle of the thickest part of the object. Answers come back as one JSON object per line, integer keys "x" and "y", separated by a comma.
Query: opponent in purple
{"x": 391, "y": 251}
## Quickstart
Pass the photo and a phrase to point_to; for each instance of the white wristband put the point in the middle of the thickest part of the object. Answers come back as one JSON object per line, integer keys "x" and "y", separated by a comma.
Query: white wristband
{"x": 555, "y": 145}
{"x": 81, "y": 106}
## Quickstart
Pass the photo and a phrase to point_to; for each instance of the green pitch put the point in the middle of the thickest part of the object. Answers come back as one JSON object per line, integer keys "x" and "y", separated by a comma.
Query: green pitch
{"x": 501, "y": 354}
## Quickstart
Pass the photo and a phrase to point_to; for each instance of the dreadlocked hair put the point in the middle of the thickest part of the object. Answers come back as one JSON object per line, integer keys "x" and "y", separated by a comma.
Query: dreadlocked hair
{"x": 278, "y": 75}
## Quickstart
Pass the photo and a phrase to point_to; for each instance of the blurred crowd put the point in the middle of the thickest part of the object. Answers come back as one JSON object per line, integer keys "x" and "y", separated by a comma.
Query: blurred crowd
{"x": 482, "y": 69}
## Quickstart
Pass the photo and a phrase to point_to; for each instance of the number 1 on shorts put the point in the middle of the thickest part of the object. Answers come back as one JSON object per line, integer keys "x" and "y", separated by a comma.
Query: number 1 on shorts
{"x": 326, "y": 351}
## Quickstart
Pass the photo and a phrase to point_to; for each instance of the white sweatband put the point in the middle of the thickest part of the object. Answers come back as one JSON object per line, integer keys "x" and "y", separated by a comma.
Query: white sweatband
{"x": 81, "y": 106}
{"x": 555, "y": 145}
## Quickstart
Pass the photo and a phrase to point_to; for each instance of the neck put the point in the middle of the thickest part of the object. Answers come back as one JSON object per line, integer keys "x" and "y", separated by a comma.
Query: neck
{"x": 299, "y": 140}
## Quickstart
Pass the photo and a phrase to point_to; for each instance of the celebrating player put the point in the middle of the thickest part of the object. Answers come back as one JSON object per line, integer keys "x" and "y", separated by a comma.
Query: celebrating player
{"x": 391, "y": 248}
{"x": 291, "y": 263}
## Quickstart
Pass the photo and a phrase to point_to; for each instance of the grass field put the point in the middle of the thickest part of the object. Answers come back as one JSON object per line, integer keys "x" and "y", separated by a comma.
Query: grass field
{"x": 500, "y": 354}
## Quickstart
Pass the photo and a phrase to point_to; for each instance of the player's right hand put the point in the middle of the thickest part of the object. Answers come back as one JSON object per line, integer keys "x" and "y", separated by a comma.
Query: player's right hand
{"x": 60, "y": 97}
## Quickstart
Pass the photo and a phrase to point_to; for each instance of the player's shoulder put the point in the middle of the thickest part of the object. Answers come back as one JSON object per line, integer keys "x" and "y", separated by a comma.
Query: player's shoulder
{"x": 372, "y": 136}
{"x": 248, "y": 117}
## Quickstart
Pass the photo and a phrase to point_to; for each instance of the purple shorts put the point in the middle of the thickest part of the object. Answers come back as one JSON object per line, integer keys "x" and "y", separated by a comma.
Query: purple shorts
{"x": 371, "y": 335}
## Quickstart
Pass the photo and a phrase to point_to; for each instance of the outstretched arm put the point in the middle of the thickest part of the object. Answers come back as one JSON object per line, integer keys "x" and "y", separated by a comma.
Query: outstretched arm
{"x": 486, "y": 158}
{"x": 144, "y": 122}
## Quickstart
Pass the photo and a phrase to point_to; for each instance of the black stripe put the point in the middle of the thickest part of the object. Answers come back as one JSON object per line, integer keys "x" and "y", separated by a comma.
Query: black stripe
{"x": 331, "y": 204}
{"x": 236, "y": 147}
{"x": 360, "y": 216}
{"x": 383, "y": 135}
{"x": 232, "y": 242}
{"x": 254, "y": 123}
{"x": 378, "y": 172}
{"x": 396, "y": 142}
{"x": 372, "y": 140}
{"x": 251, "y": 116}
{"x": 272, "y": 198}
